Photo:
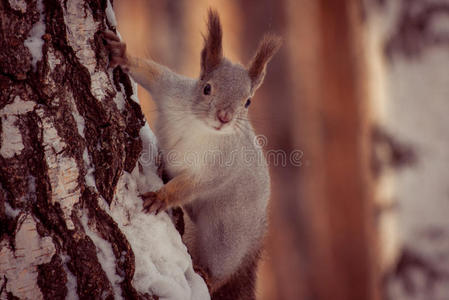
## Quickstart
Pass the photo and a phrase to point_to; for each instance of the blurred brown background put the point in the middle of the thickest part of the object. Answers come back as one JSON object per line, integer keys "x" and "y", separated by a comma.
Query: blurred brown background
{"x": 346, "y": 89}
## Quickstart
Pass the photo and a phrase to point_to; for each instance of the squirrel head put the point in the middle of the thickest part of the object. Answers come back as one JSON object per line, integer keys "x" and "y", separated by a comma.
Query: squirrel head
{"x": 225, "y": 89}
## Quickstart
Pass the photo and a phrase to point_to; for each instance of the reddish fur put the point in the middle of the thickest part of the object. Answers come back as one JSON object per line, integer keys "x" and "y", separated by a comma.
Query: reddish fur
{"x": 269, "y": 45}
{"x": 242, "y": 284}
{"x": 212, "y": 53}
{"x": 174, "y": 193}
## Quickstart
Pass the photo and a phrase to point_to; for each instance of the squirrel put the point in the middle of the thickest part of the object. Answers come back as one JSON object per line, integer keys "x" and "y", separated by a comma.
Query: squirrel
{"x": 218, "y": 173}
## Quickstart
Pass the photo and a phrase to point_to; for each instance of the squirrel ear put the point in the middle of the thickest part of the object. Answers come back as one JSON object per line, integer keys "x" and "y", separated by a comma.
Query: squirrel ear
{"x": 212, "y": 53}
{"x": 269, "y": 45}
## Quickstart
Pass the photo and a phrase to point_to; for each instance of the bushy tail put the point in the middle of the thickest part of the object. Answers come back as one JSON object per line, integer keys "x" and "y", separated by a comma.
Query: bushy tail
{"x": 242, "y": 285}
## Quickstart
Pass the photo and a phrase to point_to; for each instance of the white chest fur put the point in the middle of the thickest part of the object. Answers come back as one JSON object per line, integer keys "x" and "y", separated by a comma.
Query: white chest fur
{"x": 187, "y": 145}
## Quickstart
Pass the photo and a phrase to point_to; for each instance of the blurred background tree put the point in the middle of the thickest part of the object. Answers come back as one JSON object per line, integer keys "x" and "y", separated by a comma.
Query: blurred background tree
{"x": 360, "y": 88}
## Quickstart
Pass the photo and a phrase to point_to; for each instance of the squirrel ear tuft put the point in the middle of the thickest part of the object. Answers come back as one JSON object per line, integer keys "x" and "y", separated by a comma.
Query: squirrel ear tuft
{"x": 269, "y": 45}
{"x": 212, "y": 53}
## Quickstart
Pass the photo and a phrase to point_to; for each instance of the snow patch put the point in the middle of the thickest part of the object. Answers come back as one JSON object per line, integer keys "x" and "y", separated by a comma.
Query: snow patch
{"x": 71, "y": 279}
{"x": 89, "y": 177}
{"x": 163, "y": 265}
{"x": 11, "y": 139}
{"x": 110, "y": 14}
{"x": 11, "y": 212}
{"x": 146, "y": 176}
{"x": 105, "y": 256}
{"x": 18, "y": 5}
{"x": 34, "y": 42}
{"x": 134, "y": 95}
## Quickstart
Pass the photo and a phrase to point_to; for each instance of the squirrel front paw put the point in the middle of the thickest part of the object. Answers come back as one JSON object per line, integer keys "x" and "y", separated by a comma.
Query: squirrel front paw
{"x": 117, "y": 54}
{"x": 154, "y": 202}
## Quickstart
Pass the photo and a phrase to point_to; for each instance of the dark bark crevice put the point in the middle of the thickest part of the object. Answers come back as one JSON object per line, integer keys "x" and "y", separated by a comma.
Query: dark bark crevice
{"x": 52, "y": 279}
{"x": 415, "y": 31}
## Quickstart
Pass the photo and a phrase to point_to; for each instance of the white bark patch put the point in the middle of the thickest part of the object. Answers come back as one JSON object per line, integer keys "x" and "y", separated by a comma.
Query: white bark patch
{"x": 53, "y": 60}
{"x": 62, "y": 170}
{"x": 20, "y": 266}
{"x": 18, "y": 5}
{"x": 81, "y": 28}
{"x": 410, "y": 102}
{"x": 34, "y": 42}
{"x": 80, "y": 125}
{"x": 11, "y": 139}
{"x": 419, "y": 116}
{"x": 18, "y": 107}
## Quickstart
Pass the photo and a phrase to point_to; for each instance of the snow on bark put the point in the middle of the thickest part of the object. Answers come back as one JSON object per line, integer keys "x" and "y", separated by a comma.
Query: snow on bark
{"x": 19, "y": 5}
{"x": 110, "y": 14}
{"x": 35, "y": 42}
{"x": 163, "y": 265}
{"x": 71, "y": 279}
{"x": 19, "y": 263}
{"x": 11, "y": 212}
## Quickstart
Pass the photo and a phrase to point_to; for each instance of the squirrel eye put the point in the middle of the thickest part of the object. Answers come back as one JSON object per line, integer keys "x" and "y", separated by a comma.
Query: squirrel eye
{"x": 248, "y": 102}
{"x": 207, "y": 89}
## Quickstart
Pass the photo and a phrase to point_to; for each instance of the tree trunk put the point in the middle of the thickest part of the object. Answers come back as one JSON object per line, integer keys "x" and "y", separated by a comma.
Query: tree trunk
{"x": 410, "y": 91}
{"x": 75, "y": 153}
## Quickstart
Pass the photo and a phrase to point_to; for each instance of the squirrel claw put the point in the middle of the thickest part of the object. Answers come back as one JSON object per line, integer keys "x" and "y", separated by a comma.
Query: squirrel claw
{"x": 117, "y": 50}
{"x": 108, "y": 34}
{"x": 153, "y": 203}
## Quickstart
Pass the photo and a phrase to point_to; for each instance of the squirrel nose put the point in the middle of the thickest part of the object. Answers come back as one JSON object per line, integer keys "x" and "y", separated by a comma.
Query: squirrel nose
{"x": 224, "y": 116}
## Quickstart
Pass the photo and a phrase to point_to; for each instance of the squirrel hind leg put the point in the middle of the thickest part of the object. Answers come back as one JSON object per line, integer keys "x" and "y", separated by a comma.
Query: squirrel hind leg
{"x": 242, "y": 284}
